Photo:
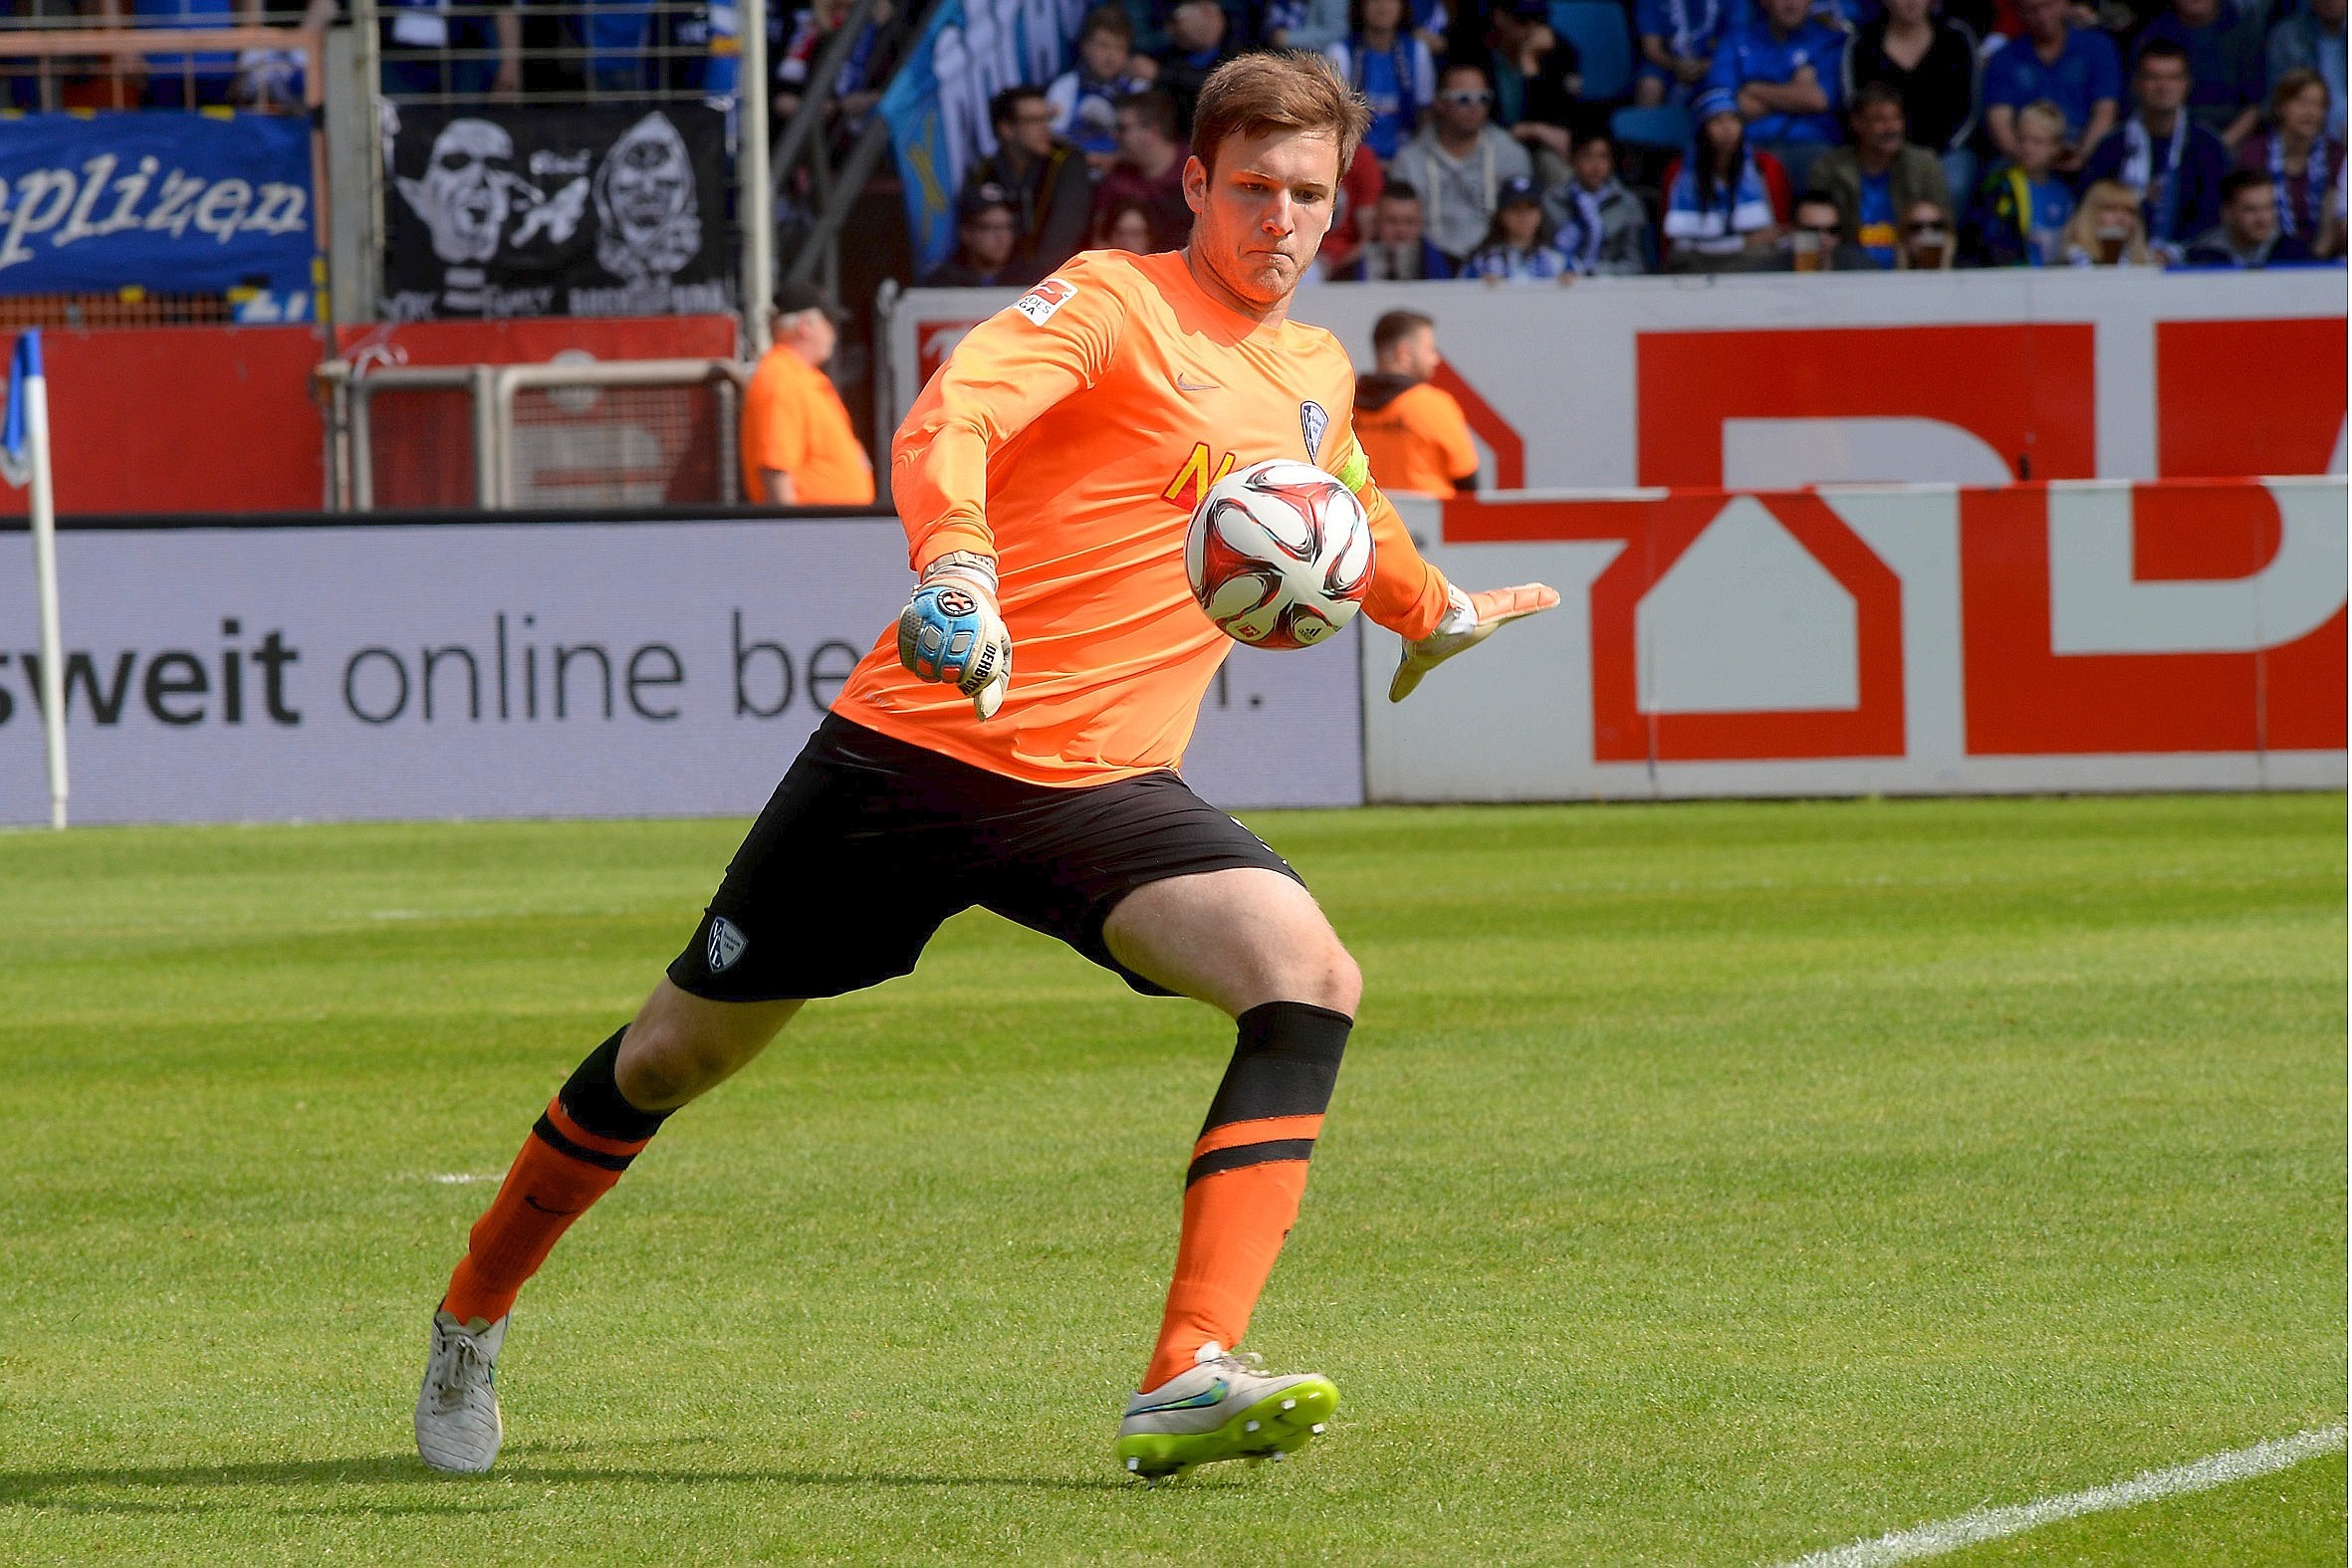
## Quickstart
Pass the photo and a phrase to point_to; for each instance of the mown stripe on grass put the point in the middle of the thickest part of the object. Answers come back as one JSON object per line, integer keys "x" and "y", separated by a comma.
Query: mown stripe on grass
{"x": 1991, "y": 1524}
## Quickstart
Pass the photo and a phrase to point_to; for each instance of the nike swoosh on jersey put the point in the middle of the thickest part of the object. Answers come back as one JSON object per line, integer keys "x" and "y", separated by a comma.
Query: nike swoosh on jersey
{"x": 1185, "y": 383}
{"x": 533, "y": 1203}
{"x": 1200, "y": 1401}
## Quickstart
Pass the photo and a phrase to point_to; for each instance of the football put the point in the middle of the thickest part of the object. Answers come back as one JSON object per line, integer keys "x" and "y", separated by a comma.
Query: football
{"x": 1279, "y": 554}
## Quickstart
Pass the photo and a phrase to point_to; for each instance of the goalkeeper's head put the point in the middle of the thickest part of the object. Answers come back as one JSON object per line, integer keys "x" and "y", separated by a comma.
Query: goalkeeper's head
{"x": 1271, "y": 134}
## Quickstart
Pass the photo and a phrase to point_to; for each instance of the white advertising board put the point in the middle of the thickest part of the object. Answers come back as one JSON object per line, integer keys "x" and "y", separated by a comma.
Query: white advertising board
{"x": 339, "y": 671}
{"x": 2183, "y": 635}
{"x": 1764, "y": 381}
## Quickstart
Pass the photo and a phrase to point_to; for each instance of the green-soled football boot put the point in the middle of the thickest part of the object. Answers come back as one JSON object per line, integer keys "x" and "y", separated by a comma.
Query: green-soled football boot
{"x": 1224, "y": 1408}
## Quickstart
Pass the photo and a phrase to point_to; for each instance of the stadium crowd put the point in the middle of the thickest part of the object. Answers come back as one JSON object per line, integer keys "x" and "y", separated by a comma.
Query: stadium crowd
{"x": 1714, "y": 135}
{"x": 1518, "y": 140}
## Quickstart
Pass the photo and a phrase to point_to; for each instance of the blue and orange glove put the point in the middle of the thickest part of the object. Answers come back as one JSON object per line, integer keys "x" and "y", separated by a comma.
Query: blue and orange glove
{"x": 950, "y": 632}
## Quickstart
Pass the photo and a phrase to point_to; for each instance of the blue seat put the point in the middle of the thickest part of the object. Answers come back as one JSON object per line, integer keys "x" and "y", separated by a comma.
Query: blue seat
{"x": 1605, "y": 46}
{"x": 1668, "y": 127}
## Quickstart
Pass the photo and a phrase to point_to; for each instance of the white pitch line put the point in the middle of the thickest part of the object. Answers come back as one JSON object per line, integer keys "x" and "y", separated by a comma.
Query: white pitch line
{"x": 1991, "y": 1524}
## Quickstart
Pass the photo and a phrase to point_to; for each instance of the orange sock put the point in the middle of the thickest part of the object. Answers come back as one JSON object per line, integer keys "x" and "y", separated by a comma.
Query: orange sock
{"x": 1248, "y": 1173}
{"x": 563, "y": 1166}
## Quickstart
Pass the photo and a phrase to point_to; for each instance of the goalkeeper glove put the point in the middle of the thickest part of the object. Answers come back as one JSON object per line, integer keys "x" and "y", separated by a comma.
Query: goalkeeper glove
{"x": 950, "y": 632}
{"x": 1470, "y": 620}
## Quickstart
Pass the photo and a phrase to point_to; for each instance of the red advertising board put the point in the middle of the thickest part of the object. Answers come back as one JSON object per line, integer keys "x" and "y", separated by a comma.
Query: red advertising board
{"x": 173, "y": 419}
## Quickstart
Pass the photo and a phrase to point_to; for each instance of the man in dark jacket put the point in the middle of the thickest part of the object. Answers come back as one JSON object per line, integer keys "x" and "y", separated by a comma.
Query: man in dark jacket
{"x": 2248, "y": 235}
{"x": 1879, "y": 177}
{"x": 1045, "y": 176}
{"x": 1199, "y": 38}
{"x": 987, "y": 234}
{"x": 2175, "y": 163}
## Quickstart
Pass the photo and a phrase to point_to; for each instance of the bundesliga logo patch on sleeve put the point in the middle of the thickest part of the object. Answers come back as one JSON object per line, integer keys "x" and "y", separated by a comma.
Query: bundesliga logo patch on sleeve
{"x": 1047, "y": 298}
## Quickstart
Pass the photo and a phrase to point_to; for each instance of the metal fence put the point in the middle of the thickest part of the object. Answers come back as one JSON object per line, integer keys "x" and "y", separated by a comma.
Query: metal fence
{"x": 528, "y": 437}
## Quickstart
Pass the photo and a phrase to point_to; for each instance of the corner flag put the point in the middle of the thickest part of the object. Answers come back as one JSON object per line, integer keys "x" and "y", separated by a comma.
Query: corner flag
{"x": 23, "y": 365}
{"x": 24, "y": 463}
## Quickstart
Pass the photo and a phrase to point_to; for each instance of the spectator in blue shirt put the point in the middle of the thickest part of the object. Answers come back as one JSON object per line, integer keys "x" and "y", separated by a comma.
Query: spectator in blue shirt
{"x": 1720, "y": 212}
{"x": 2313, "y": 40}
{"x": 2175, "y": 163}
{"x": 1679, "y": 42}
{"x": 2076, "y": 68}
{"x": 1390, "y": 68}
{"x": 1783, "y": 72}
{"x": 2022, "y": 213}
{"x": 1086, "y": 97}
{"x": 187, "y": 81}
{"x": 2225, "y": 65}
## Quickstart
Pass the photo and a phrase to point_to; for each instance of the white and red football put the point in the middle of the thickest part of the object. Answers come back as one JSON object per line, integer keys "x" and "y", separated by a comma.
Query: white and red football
{"x": 1279, "y": 554}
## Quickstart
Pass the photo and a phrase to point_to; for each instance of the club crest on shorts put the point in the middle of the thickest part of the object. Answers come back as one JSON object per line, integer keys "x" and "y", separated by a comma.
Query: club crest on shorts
{"x": 726, "y": 944}
{"x": 1312, "y": 422}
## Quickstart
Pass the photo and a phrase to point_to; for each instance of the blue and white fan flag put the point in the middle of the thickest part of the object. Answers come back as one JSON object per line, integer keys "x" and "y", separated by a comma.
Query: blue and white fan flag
{"x": 15, "y": 456}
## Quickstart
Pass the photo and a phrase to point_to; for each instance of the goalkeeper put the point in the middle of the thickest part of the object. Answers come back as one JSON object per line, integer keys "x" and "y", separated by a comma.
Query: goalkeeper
{"x": 1014, "y": 744}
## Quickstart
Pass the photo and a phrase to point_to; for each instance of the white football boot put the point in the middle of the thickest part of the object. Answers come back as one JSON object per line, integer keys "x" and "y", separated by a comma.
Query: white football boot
{"x": 458, "y": 1427}
{"x": 1224, "y": 1407}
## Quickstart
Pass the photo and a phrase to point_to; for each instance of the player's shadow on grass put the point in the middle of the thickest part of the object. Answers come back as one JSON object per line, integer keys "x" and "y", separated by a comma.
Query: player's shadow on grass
{"x": 201, "y": 1483}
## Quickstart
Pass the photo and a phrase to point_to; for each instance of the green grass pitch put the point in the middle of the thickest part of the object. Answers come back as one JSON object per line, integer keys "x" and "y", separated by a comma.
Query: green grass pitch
{"x": 1708, "y": 1185}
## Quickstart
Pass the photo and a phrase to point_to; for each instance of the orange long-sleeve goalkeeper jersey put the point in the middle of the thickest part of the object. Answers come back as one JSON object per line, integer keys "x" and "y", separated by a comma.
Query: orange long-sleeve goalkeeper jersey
{"x": 1069, "y": 436}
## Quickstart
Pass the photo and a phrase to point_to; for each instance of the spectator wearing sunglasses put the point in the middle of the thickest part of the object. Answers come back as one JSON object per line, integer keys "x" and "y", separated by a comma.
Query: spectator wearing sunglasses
{"x": 1928, "y": 243}
{"x": 1459, "y": 161}
{"x": 1817, "y": 239}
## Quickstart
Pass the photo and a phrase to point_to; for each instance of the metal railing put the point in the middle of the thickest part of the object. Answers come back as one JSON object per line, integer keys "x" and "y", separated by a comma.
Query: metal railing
{"x": 51, "y": 47}
{"x": 50, "y": 55}
{"x": 535, "y": 436}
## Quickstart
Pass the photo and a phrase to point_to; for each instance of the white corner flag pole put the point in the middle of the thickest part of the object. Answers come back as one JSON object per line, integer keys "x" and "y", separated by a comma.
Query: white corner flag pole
{"x": 29, "y": 465}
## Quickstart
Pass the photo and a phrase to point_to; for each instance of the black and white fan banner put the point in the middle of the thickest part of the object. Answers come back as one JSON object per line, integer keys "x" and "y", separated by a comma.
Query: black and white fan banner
{"x": 511, "y": 210}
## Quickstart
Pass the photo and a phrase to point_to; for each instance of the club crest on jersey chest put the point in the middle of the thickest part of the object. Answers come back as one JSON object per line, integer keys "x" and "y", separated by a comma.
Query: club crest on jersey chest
{"x": 1312, "y": 422}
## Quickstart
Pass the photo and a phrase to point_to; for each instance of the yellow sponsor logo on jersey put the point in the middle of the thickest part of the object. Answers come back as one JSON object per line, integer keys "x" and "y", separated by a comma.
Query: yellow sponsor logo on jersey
{"x": 1193, "y": 480}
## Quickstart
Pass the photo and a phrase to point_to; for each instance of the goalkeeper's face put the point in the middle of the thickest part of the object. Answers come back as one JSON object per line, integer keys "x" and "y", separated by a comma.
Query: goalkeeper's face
{"x": 1260, "y": 214}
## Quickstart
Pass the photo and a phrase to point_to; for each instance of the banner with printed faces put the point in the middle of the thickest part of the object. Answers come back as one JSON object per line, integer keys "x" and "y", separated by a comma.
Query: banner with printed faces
{"x": 171, "y": 203}
{"x": 503, "y": 211}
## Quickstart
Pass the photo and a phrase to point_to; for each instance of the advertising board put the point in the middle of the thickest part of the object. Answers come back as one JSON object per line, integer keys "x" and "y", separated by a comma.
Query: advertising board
{"x": 332, "y": 671}
{"x": 1925, "y": 639}
{"x": 1762, "y": 382}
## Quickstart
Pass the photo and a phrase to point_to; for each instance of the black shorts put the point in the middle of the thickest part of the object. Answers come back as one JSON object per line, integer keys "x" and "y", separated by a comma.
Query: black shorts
{"x": 870, "y": 843}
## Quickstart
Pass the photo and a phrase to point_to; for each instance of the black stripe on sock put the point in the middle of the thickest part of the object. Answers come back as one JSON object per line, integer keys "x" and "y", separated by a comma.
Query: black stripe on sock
{"x": 591, "y": 1098}
{"x": 1242, "y": 1153}
{"x": 548, "y": 1133}
{"x": 1286, "y": 1057}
